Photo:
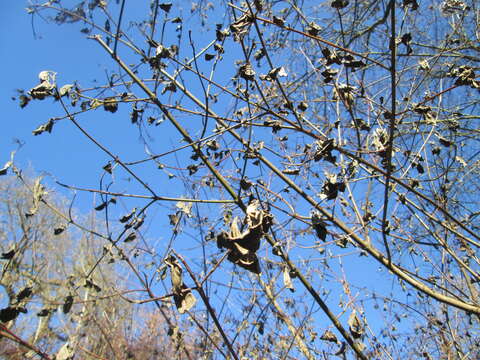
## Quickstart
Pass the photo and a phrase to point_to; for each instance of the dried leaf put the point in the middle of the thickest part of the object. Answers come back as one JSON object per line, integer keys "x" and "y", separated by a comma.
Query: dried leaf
{"x": 356, "y": 326}
{"x": 329, "y": 336}
{"x": 291, "y": 171}
{"x": 89, "y": 284}
{"x": 108, "y": 168}
{"x": 127, "y": 217}
{"x": 59, "y": 229}
{"x": 132, "y": 236}
{"x": 67, "y": 305}
{"x": 44, "y": 127}
{"x": 240, "y": 27}
{"x": 3, "y": 171}
{"x": 38, "y": 193}
{"x": 319, "y": 225}
{"x": 287, "y": 280}
{"x": 10, "y": 313}
{"x": 165, "y": 7}
{"x": 185, "y": 300}
{"x": 246, "y": 72}
{"x": 278, "y": 21}
{"x": 8, "y": 255}
{"x": 25, "y": 293}
{"x": 65, "y": 89}
{"x": 313, "y": 29}
{"x": 209, "y": 57}
{"x": 110, "y": 104}
{"x": 24, "y": 100}
{"x": 339, "y": 4}
{"x": 243, "y": 245}
{"x": 175, "y": 274}
{"x": 185, "y": 207}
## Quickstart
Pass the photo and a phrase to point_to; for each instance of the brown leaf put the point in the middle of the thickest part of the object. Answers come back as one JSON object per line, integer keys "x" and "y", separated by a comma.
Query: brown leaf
{"x": 329, "y": 336}
{"x": 110, "y": 104}
{"x": 243, "y": 245}
{"x": 287, "y": 280}
{"x": 184, "y": 300}
{"x": 356, "y": 326}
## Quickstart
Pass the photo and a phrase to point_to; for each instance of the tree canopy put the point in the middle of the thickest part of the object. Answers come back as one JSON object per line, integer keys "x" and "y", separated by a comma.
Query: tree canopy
{"x": 302, "y": 182}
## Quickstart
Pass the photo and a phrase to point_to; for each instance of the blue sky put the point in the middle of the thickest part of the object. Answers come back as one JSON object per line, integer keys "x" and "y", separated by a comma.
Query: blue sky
{"x": 55, "y": 48}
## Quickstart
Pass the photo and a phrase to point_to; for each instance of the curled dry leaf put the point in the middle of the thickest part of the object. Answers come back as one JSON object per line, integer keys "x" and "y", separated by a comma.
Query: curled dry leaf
{"x": 355, "y": 324}
{"x": 110, "y": 104}
{"x": 47, "y": 127}
{"x": 240, "y": 27}
{"x": 243, "y": 245}
{"x": 287, "y": 280}
{"x": 38, "y": 193}
{"x": 3, "y": 171}
{"x": 182, "y": 295}
{"x": 319, "y": 225}
{"x": 329, "y": 336}
{"x": 246, "y": 72}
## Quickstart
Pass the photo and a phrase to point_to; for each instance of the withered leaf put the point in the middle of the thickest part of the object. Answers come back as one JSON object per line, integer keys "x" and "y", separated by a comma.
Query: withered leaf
{"x": 170, "y": 86}
{"x": 339, "y": 4}
{"x": 243, "y": 245}
{"x": 45, "y": 312}
{"x": 25, "y": 293}
{"x": 246, "y": 72}
{"x": 138, "y": 222}
{"x": 59, "y": 229}
{"x": 41, "y": 91}
{"x": 259, "y": 54}
{"x": 287, "y": 280}
{"x": 184, "y": 300}
{"x": 127, "y": 217}
{"x": 302, "y": 106}
{"x": 165, "y": 6}
{"x": 65, "y": 89}
{"x": 245, "y": 184}
{"x": 329, "y": 336}
{"x": 342, "y": 349}
{"x": 355, "y": 325}
{"x": 209, "y": 57}
{"x": 8, "y": 255}
{"x": 445, "y": 142}
{"x": 174, "y": 219}
{"x": 192, "y": 169}
{"x": 24, "y": 100}
{"x": 108, "y": 168}
{"x": 110, "y": 104}
{"x": 313, "y": 29}
{"x": 38, "y": 193}
{"x": 291, "y": 171}
{"x": 67, "y": 305}
{"x": 101, "y": 206}
{"x": 10, "y": 313}
{"x": 278, "y": 21}
{"x": 184, "y": 207}
{"x": 175, "y": 273}
{"x": 240, "y": 27}
{"x": 3, "y": 171}
{"x": 319, "y": 226}
{"x": 132, "y": 236}
{"x": 48, "y": 126}
{"x": 89, "y": 284}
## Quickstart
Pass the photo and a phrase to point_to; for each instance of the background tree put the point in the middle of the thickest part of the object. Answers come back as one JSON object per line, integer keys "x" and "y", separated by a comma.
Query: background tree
{"x": 329, "y": 149}
{"x": 53, "y": 302}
